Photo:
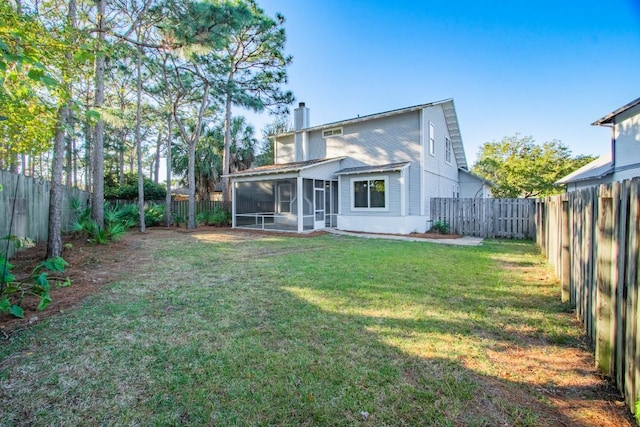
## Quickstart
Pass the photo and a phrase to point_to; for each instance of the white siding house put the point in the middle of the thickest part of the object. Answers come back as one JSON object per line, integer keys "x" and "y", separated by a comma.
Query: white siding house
{"x": 623, "y": 161}
{"x": 374, "y": 173}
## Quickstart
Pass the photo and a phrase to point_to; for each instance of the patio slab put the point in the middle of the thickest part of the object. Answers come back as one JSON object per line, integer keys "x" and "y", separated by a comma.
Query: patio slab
{"x": 463, "y": 241}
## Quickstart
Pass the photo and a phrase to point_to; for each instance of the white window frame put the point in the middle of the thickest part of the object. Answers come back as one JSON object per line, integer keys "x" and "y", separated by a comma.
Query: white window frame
{"x": 384, "y": 178}
{"x": 332, "y": 132}
{"x": 432, "y": 139}
{"x": 447, "y": 150}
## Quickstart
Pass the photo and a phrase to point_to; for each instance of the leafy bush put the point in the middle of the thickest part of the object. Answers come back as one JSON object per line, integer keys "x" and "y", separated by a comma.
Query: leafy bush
{"x": 441, "y": 227}
{"x": 116, "y": 222}
{"x": 129, "y": 191}
{"x": 154, "y": 214}
{"x": 219, "y": 217}
{"x": 12, "y": 292}
{"x": 178, "y": 219}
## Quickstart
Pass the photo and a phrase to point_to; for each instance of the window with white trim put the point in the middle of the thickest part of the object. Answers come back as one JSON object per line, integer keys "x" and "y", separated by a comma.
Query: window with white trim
{"x": 447, "y": 149}
{"x": 331, "y": 132}
{"x": 370, "y": 193}
{"x": 432, "y": 139}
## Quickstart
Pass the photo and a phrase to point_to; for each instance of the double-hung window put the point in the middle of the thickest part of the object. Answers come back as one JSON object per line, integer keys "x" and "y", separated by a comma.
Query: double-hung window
{"x": 370, "y": 194}
{"x": 432, "y": 139}
{"x": 447, "y": 150}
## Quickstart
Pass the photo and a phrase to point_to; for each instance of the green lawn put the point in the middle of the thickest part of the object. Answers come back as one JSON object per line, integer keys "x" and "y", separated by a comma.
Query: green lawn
{"x": 316, "y": 331}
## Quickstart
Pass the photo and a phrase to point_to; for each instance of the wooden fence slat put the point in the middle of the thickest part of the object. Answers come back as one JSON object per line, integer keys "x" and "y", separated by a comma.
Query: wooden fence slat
{"x": 487, "y": 218}
{"x": 602, "y": 227}
{"x": 27, "y": 199}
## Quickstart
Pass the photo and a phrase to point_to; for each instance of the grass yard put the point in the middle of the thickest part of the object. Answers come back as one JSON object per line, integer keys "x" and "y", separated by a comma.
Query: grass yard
{"x": 231, "y": 328}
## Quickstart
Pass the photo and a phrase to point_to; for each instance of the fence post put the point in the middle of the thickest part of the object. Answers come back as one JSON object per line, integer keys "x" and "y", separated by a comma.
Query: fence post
{"x": 632, "y": 338}
{"x": 566, "y": 253}
{"x": 605, "y": 304}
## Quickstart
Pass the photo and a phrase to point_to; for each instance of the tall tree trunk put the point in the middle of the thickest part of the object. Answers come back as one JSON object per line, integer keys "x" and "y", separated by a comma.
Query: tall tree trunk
{"x": 97, "y": 197}
{"x": 88, "y": 157}
{"x": 54, "y": 240}
{"x": 74, "y": 161}
{"x": 68, "y": 156}
{"x": 138, "y": 138}
{"x": 156, "y": 164}
{"x": 121, "y": 159}
{"x": 167, "y": 200}
{"x": 226, "y": 152}
{"x": 191, "y": 179}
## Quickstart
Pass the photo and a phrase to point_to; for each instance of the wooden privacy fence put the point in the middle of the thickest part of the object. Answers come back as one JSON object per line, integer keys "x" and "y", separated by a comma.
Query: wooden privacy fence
{"x": 489, "y": 218}
{"x": 27, "y": 200}
{"x": 180, "y": 208}
{"x": 591, "y": 238}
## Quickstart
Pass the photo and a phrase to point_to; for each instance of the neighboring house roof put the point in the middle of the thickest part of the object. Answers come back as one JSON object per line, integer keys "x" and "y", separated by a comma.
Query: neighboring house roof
{"x": 478, "y": 177}
{"x": 449, "y": 114}
{"x": 609, "y": 118}
{"x": 283, "y": 167}
{"x": 598, "y": 168}
{"x": 373, "y": 169}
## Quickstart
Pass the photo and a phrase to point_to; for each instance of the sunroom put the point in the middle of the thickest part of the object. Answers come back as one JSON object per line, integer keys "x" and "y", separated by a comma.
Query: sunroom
{"x": 297, "y": 197}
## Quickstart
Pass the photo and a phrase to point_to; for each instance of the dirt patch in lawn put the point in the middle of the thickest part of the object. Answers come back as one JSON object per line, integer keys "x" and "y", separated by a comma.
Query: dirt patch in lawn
{"x": 569, "y": 391}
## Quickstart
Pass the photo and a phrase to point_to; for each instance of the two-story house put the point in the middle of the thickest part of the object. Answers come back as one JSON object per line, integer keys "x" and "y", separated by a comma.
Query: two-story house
{"x": 374, "y": 173}
{"x": 623, "y": 160}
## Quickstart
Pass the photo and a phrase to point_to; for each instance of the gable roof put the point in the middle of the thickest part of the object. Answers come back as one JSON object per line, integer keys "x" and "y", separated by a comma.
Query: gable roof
{"x": 600, "y": 167}
{"x": 449, "y": 115}
{"x": 373, "y": 169}
{"x": 608, "y": 119}
{"x": 478, "y": 177}
{"x": 283, "y": 167}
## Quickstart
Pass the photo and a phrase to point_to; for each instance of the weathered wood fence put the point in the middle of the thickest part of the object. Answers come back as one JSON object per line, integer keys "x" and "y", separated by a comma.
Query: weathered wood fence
{"x": 489, "y": 218}
{"x": 26, "y": 200}
{"x": 591, "y": 238}
{"x": 180, "y": 209}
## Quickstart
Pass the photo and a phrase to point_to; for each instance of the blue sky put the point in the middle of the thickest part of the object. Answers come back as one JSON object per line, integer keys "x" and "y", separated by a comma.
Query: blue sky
{"x": 545, "y": 69}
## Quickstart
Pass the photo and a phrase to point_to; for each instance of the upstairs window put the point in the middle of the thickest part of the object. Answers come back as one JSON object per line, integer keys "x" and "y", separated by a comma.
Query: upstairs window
{"x": 432, "y": 139}
{"x": 331, "y": 132}
{"x": 369, "y": 193}
{"x": 447, "y": 150}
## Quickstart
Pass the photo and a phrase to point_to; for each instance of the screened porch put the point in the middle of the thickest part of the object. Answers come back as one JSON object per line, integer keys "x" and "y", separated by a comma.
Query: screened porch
{"x": 293, "y": 204}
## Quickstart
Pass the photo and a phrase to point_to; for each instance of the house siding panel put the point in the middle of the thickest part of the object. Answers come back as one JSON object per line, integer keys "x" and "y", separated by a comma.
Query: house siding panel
{"x": 440, "y": 177}
{"x": 383, "y": 141}
{"x": 627, "y": 146}
{"x": 285, "y": 150}
{"x": 317, "y": 146}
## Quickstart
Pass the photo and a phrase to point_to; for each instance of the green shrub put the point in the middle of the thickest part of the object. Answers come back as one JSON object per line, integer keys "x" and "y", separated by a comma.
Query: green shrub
{"x": 116, "y": 222}
{"x": 441, "y": 227}
{"x": 219, "y": 218}
{"x": 129, "y": 191}
{"x": 153, "y": 214}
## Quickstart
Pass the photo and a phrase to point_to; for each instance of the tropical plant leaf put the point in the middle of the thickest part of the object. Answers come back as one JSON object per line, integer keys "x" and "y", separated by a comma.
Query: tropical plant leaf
{"x": 16, "y": 311}
{"x": 45, "y": 300}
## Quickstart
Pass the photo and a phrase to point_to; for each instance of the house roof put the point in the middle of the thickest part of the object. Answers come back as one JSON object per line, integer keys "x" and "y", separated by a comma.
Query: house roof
{"x": 449, "y": 113}
{"x": 598, "y": 168}
{"x": 478, "y": 177}
{"x": 373, "y": 169}
{"x": 283, "y": 167}
{"x": 608, "y": 119}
